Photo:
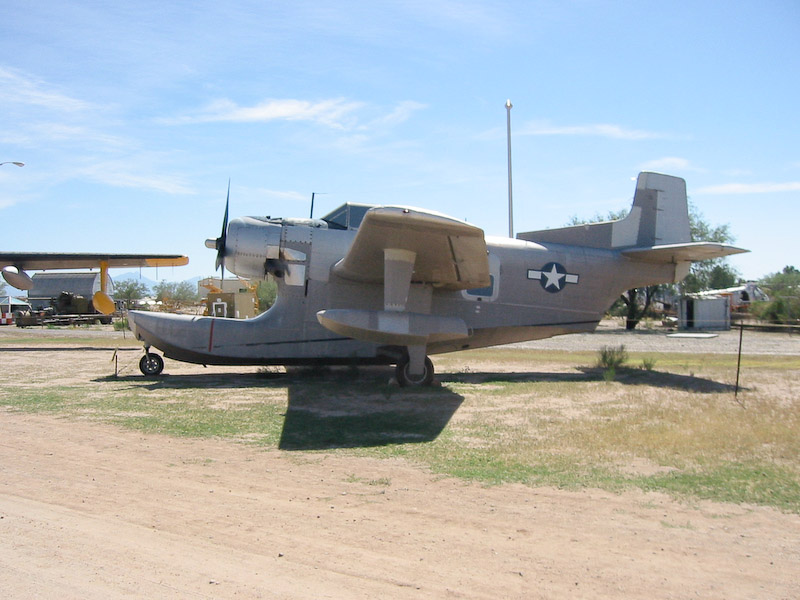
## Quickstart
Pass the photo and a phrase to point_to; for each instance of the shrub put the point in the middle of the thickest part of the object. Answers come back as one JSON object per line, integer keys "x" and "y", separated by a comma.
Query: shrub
{"x": 648, "y": 363}
{"x": 611, "y": 358}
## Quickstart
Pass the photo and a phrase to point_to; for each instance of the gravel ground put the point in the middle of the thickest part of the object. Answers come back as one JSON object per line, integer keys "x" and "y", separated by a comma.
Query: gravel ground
{"x": 611, "y": 333}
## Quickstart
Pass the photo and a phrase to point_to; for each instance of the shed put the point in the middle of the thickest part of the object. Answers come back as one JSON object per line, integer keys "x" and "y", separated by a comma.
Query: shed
{"x": 8, "y": 306}
{"x": 232, "y": 298}
{"x": 48, "y": 286}
{"x": 705, "y": 313}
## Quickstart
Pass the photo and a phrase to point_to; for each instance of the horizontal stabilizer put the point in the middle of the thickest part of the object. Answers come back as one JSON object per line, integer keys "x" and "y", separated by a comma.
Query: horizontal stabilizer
{"x": 392, "y": 327}
{"x": 676, "y": 253}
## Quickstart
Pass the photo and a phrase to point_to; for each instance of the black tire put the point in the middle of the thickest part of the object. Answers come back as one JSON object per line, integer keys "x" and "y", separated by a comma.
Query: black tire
{"x": 404, "y": 379}
{"x": 151, "y": 364}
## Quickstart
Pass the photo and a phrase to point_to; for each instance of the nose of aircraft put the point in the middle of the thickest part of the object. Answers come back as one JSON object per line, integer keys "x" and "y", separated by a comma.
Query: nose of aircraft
{"x": 132, "y": 322}
{"x": 145, "y": 325}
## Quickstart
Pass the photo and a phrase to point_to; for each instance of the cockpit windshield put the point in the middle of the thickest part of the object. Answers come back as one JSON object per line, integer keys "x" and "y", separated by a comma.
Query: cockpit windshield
{"x": 347, "y": 216}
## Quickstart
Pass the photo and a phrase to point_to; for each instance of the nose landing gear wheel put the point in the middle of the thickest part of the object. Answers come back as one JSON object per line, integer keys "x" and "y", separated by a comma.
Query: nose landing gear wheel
{"x": 405, "y": 379}
{"x": 151, "y": 364}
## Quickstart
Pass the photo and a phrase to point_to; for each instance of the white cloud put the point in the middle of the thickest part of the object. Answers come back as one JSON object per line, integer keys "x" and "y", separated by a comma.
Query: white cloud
{"x": 335, "y": 113}
{"x": 401, "y": 113}
{"x": 20, "y": 89}
{"x": 133, "y": 172}
{"x": 750, "y": 188}
{"x": 605, "y": 130}
{"x": 7, "y": 201}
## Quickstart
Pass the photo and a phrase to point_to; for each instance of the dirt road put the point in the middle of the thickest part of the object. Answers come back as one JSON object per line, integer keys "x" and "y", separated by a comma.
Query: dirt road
{"x": 91, "y": 511}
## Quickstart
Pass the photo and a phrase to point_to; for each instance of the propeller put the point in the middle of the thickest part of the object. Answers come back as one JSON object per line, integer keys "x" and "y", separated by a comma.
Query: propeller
{"x": 218, "y": 244}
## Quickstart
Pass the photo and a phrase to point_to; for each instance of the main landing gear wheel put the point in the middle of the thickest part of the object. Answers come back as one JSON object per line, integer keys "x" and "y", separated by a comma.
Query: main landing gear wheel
{"x": 151, "y": 364}
{"x": 405, "y": 379}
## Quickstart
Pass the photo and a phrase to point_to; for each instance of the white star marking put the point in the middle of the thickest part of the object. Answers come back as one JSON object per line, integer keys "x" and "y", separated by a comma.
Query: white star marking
{"x": 553, "y": 278}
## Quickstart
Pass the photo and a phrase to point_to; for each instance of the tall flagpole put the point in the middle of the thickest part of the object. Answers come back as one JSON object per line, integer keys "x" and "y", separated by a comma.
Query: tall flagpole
{"x": 510, "y": 195}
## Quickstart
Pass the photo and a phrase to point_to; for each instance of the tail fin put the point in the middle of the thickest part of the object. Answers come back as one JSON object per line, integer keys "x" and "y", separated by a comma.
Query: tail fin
{"x": 656, "y": 229}
{"x": 660, "y": 215}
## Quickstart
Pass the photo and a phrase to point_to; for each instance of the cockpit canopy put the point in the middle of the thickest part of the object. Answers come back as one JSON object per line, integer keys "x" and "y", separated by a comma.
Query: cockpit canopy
{"x": 347, "y": 216}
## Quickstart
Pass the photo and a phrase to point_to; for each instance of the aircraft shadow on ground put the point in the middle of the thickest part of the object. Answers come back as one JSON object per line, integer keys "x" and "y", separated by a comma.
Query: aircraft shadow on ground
{"x": 625, "y": 376}
{"x": 359, "y": 408}
{"x": 361, "y": 420}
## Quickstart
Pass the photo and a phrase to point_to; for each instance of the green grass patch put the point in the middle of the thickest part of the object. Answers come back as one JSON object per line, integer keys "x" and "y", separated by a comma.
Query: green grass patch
{"x": 756, "y": 483}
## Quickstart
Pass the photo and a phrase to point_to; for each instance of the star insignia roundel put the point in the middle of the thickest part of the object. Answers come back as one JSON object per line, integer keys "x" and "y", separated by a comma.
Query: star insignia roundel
{"x": 553, "y": 277}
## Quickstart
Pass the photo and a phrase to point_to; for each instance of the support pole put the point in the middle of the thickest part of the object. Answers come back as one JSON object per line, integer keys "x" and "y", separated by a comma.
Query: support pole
{"x": 510, "y": 194}
{"x": 739, "y": 361}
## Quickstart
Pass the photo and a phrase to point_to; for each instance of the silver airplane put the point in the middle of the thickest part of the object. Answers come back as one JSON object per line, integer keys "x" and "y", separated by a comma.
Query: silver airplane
{"x": 393, "y": 285}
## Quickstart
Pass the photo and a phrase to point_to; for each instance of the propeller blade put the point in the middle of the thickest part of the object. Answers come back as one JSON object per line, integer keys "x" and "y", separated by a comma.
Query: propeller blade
{"x": 225, "y": 218}
{"x": 220, "y": 262}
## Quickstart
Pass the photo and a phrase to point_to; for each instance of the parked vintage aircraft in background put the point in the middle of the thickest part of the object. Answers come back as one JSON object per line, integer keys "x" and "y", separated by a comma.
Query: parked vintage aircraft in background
{"x": 392, "y": 285}
{"x": 14, "y": 264}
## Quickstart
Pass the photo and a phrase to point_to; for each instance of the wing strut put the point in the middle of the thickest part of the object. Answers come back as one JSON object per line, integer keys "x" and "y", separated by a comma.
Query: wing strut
{"x": 398, "y": 267}
{"x": 101, "y": 300}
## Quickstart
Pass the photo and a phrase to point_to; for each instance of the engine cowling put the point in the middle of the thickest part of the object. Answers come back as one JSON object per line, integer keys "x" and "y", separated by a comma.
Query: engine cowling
{"x": 252, "y": 246}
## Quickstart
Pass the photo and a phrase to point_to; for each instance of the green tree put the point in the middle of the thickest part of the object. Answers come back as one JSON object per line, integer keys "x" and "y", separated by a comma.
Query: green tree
{"x": 711, "y": 274}
{"x": 176, "y": 295}
{"x": 129, "y": 290}
{"x": 266, "y": 292}
{"x": 783, "y": 289}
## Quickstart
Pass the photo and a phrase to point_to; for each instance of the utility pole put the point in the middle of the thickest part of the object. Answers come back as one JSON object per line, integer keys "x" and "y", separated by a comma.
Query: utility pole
{"x": 510, "y": 194}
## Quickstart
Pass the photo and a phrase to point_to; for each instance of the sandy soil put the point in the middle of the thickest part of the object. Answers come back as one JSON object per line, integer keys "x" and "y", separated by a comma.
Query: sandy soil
{"x": 92, "y": 511}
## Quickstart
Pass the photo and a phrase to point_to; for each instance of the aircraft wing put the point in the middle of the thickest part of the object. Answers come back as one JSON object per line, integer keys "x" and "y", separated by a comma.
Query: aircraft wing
{"x": 447, "y": 253}
{"x": 42, "y": 261}
{"x": 675, "y": 253}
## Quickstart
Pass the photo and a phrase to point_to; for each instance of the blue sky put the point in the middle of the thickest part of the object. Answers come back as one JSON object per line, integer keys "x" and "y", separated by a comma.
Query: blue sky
{"x": 131, "y": 117}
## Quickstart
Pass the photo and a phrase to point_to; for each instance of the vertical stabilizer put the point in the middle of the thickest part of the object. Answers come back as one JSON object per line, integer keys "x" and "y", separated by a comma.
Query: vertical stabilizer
{"x": 659, "y": 215}
{"x": 660, "y": 211}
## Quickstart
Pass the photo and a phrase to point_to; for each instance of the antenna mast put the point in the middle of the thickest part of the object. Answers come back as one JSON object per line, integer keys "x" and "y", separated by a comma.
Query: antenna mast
{"x": 510, "y": 195}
